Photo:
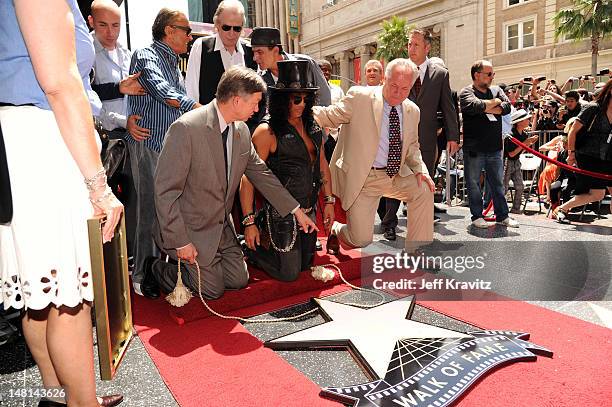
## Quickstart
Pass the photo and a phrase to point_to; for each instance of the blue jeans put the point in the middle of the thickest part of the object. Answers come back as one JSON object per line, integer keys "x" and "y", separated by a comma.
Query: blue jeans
{"x": 493, "y": 165}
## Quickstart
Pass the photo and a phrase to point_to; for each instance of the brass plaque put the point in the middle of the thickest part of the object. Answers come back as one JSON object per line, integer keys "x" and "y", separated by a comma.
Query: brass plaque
{"x": 112, "y": 305}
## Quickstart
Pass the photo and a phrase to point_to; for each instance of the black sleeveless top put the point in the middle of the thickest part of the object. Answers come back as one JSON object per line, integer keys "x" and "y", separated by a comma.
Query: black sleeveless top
{"x": 292, "y": 165}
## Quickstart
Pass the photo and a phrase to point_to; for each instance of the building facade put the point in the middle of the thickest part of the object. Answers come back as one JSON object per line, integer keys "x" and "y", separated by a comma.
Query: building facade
{"x": 282, "y": 14}
{"x": 345, "y": 32}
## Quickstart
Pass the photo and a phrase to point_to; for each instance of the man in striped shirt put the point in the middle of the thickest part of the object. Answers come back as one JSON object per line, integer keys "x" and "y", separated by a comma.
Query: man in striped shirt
{"x": 165, "y": 101}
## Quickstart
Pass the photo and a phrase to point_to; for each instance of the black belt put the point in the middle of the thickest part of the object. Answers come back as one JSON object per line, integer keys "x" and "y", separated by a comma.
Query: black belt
{"x": 379, "y": 169}
{"x": 11, "y": 104}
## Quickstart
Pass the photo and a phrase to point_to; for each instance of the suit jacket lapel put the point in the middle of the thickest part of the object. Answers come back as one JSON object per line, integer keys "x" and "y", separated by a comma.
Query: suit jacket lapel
{"x": 377, "y": 109}
{"x": 405, "y": 109}
{"x": 235, "y": 156}
{"x": 426, "y": 81}
{"x": 215, "y": 144}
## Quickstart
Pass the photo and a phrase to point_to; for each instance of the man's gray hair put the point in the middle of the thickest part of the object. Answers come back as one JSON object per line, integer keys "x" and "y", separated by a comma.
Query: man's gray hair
{"x": 229, "y": 5}
{"x": 402, "y": 63}
{"x": 239, "y": 81}
{"x": 164, "y": 18}
{"x": 374, "y": 62}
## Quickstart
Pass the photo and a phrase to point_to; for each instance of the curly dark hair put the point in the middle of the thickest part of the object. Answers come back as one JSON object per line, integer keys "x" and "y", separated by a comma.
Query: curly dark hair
{"x": 278, "y": 108}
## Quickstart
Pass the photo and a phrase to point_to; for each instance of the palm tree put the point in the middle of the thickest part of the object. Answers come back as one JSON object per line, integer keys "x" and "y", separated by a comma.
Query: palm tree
{"x": 587, "y": 19}
{"x": 392, "y": 42}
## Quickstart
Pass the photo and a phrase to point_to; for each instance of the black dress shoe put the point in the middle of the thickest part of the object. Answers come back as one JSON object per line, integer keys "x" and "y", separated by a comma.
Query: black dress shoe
{"x": 149, "y": 286}
{"x": 318, "y": 246}
{"x": 390, "y": 234}
{"x": 333, "y": 244}
{"x": 439, "y": 209}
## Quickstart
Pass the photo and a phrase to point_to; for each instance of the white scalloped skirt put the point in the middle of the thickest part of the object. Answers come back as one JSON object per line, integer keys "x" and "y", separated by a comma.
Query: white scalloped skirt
{"x": 44, "y": 251}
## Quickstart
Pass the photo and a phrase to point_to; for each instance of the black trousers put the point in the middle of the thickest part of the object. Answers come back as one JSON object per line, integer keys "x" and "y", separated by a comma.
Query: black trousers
{"x": 286, "y": 266}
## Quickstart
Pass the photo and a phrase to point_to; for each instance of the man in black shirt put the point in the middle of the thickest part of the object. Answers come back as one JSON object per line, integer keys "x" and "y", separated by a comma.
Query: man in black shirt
{"x": 520, "y": 122}
{"x": 572, "y": 107}
{"x": 482, "y": 107}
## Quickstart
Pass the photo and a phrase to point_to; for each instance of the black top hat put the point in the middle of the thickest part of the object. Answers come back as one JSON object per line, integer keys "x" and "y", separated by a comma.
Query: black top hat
{"x": 265, "y": 37}
{"x": 295, "y": 76}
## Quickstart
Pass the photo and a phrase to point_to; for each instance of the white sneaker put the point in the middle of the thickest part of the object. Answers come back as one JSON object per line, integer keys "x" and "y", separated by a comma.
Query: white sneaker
{"x": 137, "y": 289}
{"x": 481, "y": 223}
{"x": 509, "y": 222}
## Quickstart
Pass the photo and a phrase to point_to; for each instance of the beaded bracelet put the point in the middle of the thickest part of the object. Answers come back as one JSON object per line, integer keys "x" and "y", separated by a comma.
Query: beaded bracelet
{"x": 97, "y": 181}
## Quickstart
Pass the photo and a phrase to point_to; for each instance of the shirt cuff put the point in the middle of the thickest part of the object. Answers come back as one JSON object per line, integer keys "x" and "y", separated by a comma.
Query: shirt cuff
{"x": 295, "y": 209}
{"x": 179, "y": 248}
{"x": 186, "y": 104}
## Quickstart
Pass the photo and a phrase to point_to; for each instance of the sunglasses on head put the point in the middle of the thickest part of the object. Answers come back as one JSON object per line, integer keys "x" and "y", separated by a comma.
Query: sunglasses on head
{"x": 236, "y": 28}
{"x": 182, "y": 28}
{"x": 298, "y": 99}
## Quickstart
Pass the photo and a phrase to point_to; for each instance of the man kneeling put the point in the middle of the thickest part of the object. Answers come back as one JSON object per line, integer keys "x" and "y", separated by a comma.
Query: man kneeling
{"x": 205, "y": 154}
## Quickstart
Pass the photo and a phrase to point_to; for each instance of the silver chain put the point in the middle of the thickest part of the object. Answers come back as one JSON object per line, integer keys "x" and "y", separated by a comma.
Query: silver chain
{"x": 293, "y": 238}
{"x": 268, "y": 321}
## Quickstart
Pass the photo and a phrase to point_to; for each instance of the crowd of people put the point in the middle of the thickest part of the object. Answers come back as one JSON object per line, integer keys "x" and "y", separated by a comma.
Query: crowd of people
{"x": 248, "y": 120}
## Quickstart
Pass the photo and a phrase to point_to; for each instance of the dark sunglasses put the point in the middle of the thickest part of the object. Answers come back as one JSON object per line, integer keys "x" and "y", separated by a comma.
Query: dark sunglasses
{"x": 489, "y": 74}
{"x": 182, "y": 28}
{"x": 298, "y": 99}
{"x": 236, "y": 28}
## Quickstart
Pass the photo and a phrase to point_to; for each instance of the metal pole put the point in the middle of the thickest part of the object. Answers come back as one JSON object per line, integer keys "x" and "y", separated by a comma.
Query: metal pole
{"x": 127, "y": 25}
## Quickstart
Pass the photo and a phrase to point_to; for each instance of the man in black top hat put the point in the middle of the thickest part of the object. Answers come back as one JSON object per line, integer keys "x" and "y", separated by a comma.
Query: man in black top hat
{"x": 267, "y": 51}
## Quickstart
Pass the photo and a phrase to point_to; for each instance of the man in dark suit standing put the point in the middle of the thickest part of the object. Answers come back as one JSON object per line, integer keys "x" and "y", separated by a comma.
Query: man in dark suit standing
{"x": 211, "y": 56}
{"x": 205, "y": 155}
{"x": 432, "y": 94}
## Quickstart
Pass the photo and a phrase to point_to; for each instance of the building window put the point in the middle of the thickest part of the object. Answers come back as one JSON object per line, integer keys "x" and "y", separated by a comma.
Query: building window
{"x": 250, "y": 13}
{"x": 520, "y": 35}
{"x": 514, "y": 2}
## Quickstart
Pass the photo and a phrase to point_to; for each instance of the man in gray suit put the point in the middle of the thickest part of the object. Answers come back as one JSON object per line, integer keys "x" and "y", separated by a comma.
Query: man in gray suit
{"x": 204, "y": 156}
{"x": 432, "y": 94}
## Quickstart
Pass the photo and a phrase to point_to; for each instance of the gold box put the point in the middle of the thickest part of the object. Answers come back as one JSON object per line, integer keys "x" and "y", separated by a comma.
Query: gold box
{"x": 112, "y": 305}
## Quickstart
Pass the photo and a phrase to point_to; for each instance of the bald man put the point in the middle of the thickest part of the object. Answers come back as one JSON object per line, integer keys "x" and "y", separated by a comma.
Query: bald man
{"x": 112, "y": 82}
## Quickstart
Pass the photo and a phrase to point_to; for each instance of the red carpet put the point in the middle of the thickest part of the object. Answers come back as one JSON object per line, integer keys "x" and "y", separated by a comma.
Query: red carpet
{"x": 214, "y": 362}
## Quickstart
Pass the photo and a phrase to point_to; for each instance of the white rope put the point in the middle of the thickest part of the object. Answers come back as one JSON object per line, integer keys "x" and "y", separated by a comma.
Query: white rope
{"x": 265, "y": 321}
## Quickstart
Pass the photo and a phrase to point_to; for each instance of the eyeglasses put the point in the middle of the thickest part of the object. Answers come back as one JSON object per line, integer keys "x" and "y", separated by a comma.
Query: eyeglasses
{"x": 298, "y": 99}
{"x": 182, "y": 28}
{"x": 489, "y": 74}
{"x": 236, "y": 28}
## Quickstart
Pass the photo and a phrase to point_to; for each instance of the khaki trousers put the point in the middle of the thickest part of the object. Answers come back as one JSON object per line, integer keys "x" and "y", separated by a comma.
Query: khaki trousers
{"x": 359, "y": 230}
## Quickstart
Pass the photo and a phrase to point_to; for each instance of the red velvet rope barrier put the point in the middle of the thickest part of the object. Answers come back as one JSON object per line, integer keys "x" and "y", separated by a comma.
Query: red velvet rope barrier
{"x": 560, "y": 164}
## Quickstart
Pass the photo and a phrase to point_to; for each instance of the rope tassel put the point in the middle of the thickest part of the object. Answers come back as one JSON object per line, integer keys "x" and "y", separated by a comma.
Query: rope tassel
{"x": 181, "y": 294}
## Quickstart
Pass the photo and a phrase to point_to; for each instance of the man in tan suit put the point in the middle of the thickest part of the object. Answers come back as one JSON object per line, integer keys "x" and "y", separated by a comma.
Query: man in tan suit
{"x": 205, "y": 154}
{"x": 378, "y": 155}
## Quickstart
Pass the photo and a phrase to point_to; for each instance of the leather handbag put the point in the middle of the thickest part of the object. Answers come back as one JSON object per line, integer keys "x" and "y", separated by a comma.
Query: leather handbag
{"x": 6, "y": 198}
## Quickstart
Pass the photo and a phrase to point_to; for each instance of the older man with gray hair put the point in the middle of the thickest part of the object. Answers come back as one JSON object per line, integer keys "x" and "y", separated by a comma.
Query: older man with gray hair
{"x": 378, "y": 155}
{"x": 205, "y": 154}
{"x": 211, "y": 56}
{"x": 154, "y": 112}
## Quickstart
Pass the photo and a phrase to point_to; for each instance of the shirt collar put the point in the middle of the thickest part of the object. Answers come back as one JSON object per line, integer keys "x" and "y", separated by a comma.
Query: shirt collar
{"x": 222, "y": 123}
{"x": 219, "y": 45}
{"x": 423, "y": 66}
{"x": 165, "y": 48}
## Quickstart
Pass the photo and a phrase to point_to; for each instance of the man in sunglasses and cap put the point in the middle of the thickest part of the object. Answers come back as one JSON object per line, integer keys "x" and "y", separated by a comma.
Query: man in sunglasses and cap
{"x": 211, "y": 56}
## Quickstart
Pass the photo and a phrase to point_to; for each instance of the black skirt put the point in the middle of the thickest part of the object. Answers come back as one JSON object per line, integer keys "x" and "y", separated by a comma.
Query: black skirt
{"x": 584, "y": 183}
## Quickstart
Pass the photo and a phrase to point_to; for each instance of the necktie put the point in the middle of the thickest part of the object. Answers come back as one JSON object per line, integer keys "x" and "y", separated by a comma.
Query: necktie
{"x": 224, "y": 141}
{"x": 395, "y": 144}
{"x": 417, "y": 86}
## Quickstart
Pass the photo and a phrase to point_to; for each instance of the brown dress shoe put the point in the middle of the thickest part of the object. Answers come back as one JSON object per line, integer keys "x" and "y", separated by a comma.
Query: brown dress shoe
{"x": 110, "y": 401}
{"x": 333, "y": 244}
